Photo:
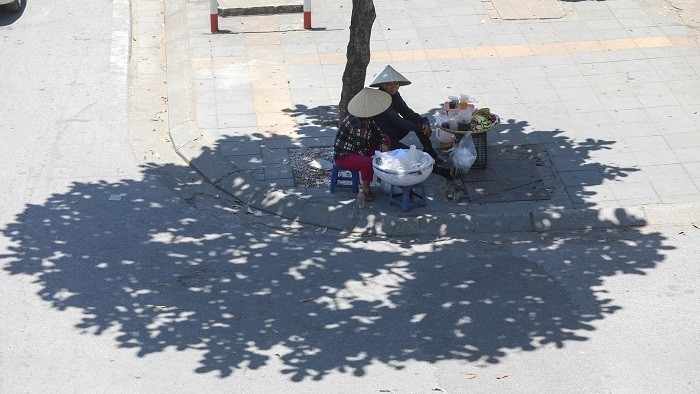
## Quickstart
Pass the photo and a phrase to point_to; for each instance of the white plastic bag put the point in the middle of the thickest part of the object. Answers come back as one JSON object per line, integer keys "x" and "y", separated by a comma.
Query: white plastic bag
{"x": 464, "y": 155}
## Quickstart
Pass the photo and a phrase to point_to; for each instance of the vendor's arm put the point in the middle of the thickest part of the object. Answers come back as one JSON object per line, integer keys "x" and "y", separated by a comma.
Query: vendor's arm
{"x": 399, "y": 122}
{"x": 407, "y": 113}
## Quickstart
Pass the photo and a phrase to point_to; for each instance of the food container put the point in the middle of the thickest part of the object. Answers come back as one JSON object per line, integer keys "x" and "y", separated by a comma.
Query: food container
{"x": 389, "y": 172}
{"x": 446, "y": 139}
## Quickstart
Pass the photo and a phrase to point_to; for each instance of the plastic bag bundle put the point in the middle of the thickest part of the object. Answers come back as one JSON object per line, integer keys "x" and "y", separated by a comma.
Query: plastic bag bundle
{"x": 464, "y": 155}
{"x": 400, "y": 160}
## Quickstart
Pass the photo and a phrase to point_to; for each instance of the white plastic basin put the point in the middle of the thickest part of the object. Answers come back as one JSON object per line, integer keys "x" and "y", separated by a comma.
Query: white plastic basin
{"x": 403, "y": 177}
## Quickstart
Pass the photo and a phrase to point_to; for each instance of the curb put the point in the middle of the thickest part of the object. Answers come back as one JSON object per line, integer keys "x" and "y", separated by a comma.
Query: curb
{"x": 264, "y": 10}
{"x": 256, "y": 7}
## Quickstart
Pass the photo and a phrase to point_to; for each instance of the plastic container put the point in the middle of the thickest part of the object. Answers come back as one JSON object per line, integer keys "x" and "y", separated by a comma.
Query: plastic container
{"x": 360, "y": 203}
{"x": 402, "y": 177}
{"x": 446, "y": 139}
{"x": 463, "y": 101}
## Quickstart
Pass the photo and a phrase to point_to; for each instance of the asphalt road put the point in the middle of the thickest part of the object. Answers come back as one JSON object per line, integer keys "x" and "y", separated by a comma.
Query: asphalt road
{"x": 120, "y": 271}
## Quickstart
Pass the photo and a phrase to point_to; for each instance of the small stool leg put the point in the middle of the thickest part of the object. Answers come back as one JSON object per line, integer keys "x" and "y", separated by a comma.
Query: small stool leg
{"x": 422, "y": 191}
{"x": 334, "y": 178}
{"x": 406, "y": 198}
{"x": 355, "y": 181}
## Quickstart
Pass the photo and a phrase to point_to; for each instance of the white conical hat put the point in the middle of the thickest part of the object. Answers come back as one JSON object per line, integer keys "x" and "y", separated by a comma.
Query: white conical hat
{"x": 369, "y": 102}
{"x": 389, "y": 75}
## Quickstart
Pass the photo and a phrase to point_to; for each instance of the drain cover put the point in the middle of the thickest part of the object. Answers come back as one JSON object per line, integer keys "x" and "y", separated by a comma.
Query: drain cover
{"x": 513, "y": 173}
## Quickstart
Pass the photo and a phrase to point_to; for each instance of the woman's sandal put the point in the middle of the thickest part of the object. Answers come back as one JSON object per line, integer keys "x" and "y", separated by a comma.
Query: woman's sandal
{"x": 369, "y": 197}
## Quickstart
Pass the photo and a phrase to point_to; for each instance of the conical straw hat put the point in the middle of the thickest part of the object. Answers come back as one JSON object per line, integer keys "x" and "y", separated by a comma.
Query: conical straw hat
{"x": 389, "y": 75}
{"x": 369, "y": 102}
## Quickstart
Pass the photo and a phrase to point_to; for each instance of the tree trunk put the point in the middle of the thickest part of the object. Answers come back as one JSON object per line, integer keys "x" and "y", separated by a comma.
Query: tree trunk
{"x": 358, "y": 53}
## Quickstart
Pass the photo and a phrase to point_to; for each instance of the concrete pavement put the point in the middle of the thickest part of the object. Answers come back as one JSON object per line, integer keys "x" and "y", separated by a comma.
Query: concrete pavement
{"x": 606, "y": 95}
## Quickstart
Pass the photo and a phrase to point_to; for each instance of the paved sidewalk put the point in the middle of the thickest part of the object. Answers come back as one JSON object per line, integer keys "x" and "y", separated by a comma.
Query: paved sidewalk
{"x": 605, "y": 95}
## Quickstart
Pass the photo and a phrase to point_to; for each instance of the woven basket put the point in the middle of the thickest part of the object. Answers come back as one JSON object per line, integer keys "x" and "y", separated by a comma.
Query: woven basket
{"x": 480, "y": 143}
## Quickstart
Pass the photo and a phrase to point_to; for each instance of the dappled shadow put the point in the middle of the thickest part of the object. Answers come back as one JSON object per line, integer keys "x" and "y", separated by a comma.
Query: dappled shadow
{"x": 134, "y": 260}
{"x": 569, "y": 166}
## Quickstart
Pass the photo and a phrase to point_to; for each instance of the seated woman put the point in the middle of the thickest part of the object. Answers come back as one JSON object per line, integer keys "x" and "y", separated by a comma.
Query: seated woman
{"x": 399, "y": 119}
{"x": 358, "y": 137}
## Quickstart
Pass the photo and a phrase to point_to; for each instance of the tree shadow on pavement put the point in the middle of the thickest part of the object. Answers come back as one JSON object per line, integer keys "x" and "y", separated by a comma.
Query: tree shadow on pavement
{"x": 306, "y": 304}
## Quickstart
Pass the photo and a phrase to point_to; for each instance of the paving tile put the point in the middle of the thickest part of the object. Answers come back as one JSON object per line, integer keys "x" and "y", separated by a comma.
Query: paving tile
{"x": 247, "y": 162}
{"x": 629, "y": 115}
{"x": 679, "y": 74}
{"x": 674, "y": 187}
{"x": 602, "y": 80}
{"x": 683, "y": 140}
{"x": 589, "y": 105}
{"x": 576, "y": 36}
{"x": 576, "y": 93}
{"x": 665, "y": 172}
{"x": 585, "y": 120}
{"x": 597, "y": 68}
{"x": 211, "y": 134}
{"x": 552, "y": 54}
{"x": 646, "y": 143}
{"x": 537, "y": 95}
{"x": 595, "y": 14}
{"x": 571, "y": 163}
{"x": 620, "y": 90}
{"x": 671, "y": 121}
{"x": 280, "y": 183}
{"x": 642, "y": 129}
{"x": 655, "y": 157}
{"x": 208, "y": 121}
{"x": 693, "y": 168}
{"x": 580, "y": 178}
{"x": 609, "y": 23}
{"x": 590, "y": 194}
{"x": 611, "y": 34}
{"x": 657, "y": 100}
{"x": 239, "y": 148}
{"x": 659, "y": 88}
{"x": 622, "y": 174}
{"x": 680, "y": 199}
{"x": 278, "y": 171}
{"x": 686, "y": 155}
{"x": 643, "y": 76}
{"x": 237, "y": 121}
{"x": 643, "y": 192}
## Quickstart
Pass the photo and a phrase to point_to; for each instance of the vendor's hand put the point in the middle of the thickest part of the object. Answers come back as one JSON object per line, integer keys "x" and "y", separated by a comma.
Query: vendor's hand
{"x": 427, "y": 130}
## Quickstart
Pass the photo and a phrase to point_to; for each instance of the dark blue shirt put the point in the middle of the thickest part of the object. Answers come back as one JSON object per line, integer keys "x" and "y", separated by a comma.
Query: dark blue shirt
{"x": 399, "y": 117}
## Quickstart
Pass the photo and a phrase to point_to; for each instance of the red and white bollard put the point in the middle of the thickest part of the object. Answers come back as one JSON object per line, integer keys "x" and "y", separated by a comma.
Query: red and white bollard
{"x": 307, "y": 14}
{"x": 214, "y": 15}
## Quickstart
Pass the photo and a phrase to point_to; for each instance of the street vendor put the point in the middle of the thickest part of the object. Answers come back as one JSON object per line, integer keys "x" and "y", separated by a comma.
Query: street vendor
{"x": 358, "y": 137}
{"x": 399, "y": 119}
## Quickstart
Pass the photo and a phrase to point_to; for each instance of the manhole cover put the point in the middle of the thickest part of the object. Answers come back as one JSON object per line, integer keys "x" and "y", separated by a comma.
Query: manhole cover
{"x": 513, "y": 173}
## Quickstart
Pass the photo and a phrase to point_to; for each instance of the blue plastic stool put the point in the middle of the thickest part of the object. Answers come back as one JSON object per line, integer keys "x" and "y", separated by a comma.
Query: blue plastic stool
{"x": 407, "y": 194}
{"x": 354, "y": 179}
